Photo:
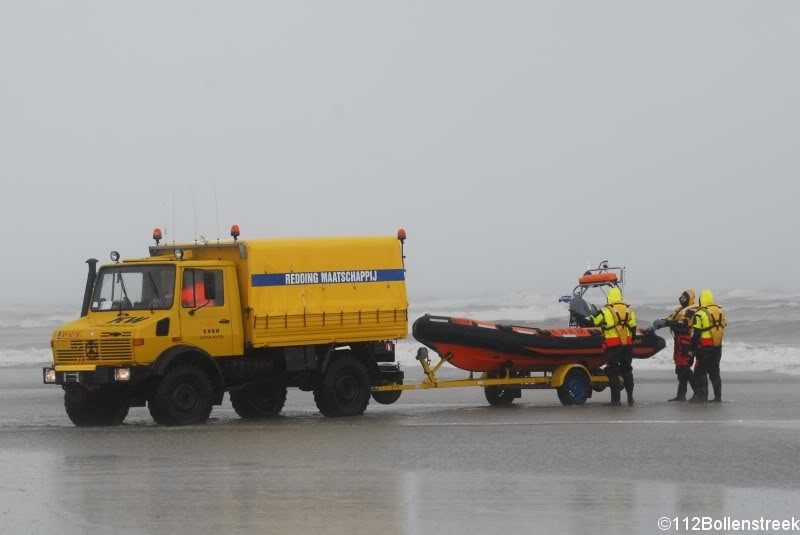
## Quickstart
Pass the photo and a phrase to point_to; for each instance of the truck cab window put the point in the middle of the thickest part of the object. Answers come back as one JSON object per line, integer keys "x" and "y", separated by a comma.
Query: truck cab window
{"x": 134, "y": 288}
{"x": 202, "y": 288}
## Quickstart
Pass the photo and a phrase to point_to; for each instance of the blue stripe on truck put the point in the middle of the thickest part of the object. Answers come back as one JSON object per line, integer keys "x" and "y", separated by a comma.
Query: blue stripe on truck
{"x": 329, "y": 277}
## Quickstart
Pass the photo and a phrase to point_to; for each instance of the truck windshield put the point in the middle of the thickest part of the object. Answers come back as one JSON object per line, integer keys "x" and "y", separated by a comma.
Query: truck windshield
{"x": 134, "y": 288}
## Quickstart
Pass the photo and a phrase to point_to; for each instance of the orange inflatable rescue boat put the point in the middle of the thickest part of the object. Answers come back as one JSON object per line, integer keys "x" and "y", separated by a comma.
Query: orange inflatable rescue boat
{"x": 482, "y": 346}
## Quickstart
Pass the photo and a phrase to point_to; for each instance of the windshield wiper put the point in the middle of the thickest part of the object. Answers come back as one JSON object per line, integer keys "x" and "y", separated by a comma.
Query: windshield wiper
{"x": 124, "y": 293}
{"x": 155, "y": 290}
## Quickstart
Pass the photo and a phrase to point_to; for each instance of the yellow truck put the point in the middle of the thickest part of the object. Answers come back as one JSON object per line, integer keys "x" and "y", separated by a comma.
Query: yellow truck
{"x": 176, "y": 330}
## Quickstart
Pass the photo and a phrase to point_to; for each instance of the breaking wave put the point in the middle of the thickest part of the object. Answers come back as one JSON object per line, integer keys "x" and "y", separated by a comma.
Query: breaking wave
{"x": 21, "y": 357}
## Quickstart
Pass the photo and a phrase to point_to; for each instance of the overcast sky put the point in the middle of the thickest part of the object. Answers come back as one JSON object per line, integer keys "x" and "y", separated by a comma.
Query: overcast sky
{"x": 515, "y": 141}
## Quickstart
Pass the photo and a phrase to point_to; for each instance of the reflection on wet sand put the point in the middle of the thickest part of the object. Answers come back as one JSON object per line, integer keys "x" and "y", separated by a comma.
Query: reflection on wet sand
{"x": 216, "y": 495}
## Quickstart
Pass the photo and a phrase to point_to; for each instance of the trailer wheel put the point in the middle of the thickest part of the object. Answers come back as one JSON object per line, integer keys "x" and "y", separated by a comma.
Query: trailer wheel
{"x": 258, "y": 401}
{"x": 499, "y": 397}
{"x": 575, "y": 389}
{"x": 94, "y": 408}
{"x": 345, "y": 388}
{"x": 184, "y": 396}
{"x": 388, "y": 397}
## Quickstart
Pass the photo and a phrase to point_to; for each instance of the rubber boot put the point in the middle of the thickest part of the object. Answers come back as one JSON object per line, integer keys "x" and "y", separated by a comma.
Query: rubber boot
{"x": 627, "y": 379}
{"x": 700, "y": 392}
{"x": 716, "y": 383}
{"x": 615, "y": 396}
{"x": 681, "y": 396}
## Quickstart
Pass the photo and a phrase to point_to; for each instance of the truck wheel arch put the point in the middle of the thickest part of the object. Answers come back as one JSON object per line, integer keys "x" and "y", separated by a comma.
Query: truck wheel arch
{"x": 186, "y": 354}
{"x": 363, "y": 353}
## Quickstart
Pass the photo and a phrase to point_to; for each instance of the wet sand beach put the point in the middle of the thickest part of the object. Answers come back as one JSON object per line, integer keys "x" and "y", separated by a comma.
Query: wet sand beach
{"x": 435, "y": 462}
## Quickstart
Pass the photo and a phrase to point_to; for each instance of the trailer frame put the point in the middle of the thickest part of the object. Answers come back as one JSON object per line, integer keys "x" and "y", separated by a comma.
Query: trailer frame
{"x": 548, "y": 380}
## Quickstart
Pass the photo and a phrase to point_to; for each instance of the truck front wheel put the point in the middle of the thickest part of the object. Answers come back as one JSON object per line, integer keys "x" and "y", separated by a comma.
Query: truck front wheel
{"x": 87, "y": 408}
{"x": 258, "y": 401}
{"x": 184, "y": 396}
{"x": 345, "y": 388}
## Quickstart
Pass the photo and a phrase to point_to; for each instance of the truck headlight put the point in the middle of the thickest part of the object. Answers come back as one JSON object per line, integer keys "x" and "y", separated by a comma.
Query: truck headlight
{"x": 50, "y": 375}
{"x": 122, "y": 374}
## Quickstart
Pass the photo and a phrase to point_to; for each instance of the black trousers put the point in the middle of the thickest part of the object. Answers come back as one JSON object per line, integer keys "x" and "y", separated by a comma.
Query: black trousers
{"x": 708, "y": 369}
{"x": 685, "y": 377}
{"x": 619, "y": 364}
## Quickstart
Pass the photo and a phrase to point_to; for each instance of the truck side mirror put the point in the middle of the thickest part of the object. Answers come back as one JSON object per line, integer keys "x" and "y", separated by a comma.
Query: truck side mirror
{"x": 209, "y": 286}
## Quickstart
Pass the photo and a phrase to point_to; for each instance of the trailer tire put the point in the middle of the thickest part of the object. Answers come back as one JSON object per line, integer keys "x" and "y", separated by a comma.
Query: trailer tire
{"x": 258, "y": 401}
{"x": 94, "y": 408}
{"x": 344, "y": 389}
{"x": 184, "y": 396}
{"x": 575, "y": 388}
{"x": 388, "y": 397}
{"x": 499, "y": 397}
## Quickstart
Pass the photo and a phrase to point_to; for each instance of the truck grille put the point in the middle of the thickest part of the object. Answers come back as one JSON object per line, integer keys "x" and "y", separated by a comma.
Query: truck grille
{"x": 110, "y": 346}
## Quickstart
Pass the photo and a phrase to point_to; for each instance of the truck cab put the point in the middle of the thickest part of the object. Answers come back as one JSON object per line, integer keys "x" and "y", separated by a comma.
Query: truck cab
{"x": 176, "y": 330}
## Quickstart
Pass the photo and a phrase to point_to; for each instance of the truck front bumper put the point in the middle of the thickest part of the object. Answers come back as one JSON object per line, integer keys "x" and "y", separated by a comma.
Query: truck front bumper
{"x": 95, "y": 375}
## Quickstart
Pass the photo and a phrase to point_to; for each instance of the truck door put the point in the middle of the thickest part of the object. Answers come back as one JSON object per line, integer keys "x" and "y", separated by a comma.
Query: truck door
{"x": 206, "y": 320}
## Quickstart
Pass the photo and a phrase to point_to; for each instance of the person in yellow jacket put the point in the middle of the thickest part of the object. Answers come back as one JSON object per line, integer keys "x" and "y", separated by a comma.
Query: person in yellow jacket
{"x": 708, "y": 329}
{"x": 680, "y": 323}
{"x": 619, "y": 326}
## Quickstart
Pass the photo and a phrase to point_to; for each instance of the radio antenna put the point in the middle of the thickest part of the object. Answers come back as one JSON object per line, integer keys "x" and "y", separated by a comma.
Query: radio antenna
{"x": 173, "y": 217}
{"x": 194, "y": 210}
{"x": 216, "y": 205}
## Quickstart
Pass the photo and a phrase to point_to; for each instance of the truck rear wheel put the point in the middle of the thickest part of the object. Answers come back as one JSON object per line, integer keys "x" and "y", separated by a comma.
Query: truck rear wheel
{"x": 258, "y": 401}
{"x": 575, "y": 389}
{"x": 94, "y": 408}
{"x": 345, "y": 388}
{"x": 184, "y": 396}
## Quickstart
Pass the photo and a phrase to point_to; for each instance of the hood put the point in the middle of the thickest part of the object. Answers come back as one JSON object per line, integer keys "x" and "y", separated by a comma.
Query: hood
{"x": 95, "y": 323}
{"x": 614, "y": 296}
{"x": 691, "y": 295}
{"x": 706, "y": 298}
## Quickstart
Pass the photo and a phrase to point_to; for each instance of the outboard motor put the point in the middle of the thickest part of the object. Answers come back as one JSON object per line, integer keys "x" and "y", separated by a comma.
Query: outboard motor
{"x": 579, "y": 309}
{"x": 87, "y": 293}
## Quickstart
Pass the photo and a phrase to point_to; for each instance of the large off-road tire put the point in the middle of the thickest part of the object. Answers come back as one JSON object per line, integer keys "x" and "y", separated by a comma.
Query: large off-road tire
{"x": 575, "y": 389}
{"x": 183, "y": 396}
{"x": 344, "y": 389}
{"x": 258, "y": 401}
{"x": 94, "y": 408}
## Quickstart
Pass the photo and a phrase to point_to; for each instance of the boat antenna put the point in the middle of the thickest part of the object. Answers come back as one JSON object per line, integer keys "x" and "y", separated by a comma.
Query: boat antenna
{"x": 173, "y": 217}
{"x": 164, "y": 218}
{"x": 216, "y": 205}
{"x": 194, "y": 210}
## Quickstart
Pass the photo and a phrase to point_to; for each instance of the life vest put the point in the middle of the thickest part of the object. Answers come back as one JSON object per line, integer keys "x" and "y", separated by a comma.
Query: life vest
{"x": 618, "y": 322}
{"x": 683, "y": 315}
{"x": 711, "y": 322}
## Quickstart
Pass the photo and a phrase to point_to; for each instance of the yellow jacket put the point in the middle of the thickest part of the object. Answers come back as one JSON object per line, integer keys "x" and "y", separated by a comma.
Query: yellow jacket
{"x": 709, "y": 323}
{"x": 617, "y": 319}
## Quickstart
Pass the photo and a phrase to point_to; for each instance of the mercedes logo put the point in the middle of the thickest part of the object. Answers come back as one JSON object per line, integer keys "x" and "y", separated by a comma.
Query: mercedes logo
{"x": 91, "y": 350}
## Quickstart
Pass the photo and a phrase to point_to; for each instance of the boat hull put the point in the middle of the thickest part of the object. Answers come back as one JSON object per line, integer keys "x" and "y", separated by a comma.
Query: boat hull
{"x": 491, "y": 347}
